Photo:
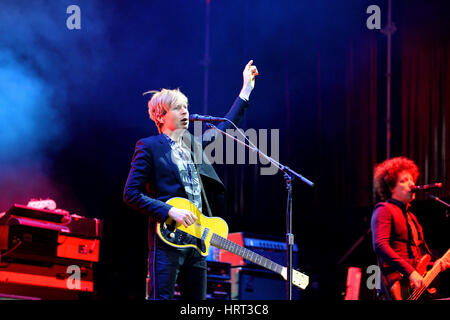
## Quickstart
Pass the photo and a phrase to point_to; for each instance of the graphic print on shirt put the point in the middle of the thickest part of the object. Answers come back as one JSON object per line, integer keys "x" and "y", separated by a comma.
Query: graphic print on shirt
{"x": 189, "y": 177}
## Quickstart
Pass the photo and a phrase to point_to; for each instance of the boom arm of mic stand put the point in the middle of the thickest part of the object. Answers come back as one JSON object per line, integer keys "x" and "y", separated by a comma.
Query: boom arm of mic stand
{"x": 283, "y": 168}
{"x": 439, "y": 200}
{"x": 442, "y": 202}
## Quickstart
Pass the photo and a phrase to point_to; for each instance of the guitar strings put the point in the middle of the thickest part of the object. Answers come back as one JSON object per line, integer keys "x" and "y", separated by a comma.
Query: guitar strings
{"x": 195, "y": 225}
{"x": 431, "y": 275}
{"x": 274, "y": 266}
{"x": 418, "y": 292}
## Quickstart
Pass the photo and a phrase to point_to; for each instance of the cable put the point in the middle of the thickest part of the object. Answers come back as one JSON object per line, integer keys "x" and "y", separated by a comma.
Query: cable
{"x": 11, "y": 250}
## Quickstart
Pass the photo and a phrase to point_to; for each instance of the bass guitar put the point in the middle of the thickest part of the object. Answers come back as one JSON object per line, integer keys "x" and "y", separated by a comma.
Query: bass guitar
{"x": 403, "y": 291}
{"x": 213, "y": 231}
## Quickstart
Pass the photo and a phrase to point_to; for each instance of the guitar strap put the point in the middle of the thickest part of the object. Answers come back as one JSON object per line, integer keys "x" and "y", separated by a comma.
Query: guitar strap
{"x": 422, "y": 243}
{"x": 208, "y": 208}
{"x": 205, "y": 199}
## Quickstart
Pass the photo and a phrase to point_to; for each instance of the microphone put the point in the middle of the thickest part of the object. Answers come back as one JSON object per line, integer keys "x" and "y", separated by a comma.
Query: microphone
{"x": 427, "y": 186}
{"x": 197, "y": 117}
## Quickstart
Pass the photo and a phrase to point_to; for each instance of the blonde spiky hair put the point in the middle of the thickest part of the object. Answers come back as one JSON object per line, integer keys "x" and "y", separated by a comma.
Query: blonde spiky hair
{"x": 161, "y": 101}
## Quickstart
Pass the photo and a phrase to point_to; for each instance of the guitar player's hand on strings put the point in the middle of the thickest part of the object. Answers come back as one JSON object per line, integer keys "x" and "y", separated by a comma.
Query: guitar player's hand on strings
{"x": 183, "y": 216}
{"x": 416, "y": 279}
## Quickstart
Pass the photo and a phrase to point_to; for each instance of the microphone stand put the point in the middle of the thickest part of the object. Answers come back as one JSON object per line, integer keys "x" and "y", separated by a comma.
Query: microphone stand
{"x": 289, "y": 176}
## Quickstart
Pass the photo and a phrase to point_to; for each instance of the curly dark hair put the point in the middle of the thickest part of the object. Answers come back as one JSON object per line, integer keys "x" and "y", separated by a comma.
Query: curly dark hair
{"x": 385, "y": 175}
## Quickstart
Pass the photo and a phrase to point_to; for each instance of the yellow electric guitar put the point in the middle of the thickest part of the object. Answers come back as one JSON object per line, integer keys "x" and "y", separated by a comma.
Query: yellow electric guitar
{"x": 214, "y": 231}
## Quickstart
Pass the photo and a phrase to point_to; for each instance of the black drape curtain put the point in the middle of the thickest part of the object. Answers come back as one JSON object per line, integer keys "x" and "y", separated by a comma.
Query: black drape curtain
{"x": 425, "y": 87}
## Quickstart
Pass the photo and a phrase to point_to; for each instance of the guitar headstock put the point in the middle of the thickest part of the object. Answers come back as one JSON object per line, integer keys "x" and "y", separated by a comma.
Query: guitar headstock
{"x": 299, "y": 279}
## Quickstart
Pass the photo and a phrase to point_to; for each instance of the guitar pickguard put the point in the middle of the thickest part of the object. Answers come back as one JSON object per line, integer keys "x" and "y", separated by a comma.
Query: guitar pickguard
{"x": 180, "y": 238}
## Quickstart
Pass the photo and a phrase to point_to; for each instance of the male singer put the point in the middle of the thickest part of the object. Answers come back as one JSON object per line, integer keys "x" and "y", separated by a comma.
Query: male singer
{"x": 162, "y": 168}
{"x": 397, "y": 236}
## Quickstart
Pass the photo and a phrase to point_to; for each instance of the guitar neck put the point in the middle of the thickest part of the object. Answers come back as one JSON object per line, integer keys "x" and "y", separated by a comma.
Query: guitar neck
{"x": 232, "y": 247}
{"x": 432, "y": 274}
{"x": 429, "y": 277}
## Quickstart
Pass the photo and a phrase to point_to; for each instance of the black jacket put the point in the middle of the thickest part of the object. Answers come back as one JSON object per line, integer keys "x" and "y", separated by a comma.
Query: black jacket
{"x": 154, "y": 178}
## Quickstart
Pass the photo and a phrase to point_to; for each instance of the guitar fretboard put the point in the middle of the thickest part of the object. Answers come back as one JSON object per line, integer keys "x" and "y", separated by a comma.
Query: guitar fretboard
{"x": 226, "y": 244}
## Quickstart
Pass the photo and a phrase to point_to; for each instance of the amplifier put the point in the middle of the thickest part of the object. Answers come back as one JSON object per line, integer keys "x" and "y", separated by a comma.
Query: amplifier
{"x": 48, "y": 236}
{"x": 215, "y": 290}
{"x": 63, "y": 222}
{"x": 78, "y": 248}
{"x": 218, "y": 290}
{"x": 39, "y": 282}
{"x": 254, "y": 284}
{"x": 27, "y": 243}
{"x": 47, "y": 253}
{"x": 271, "y": 247}
{"x": 218, "y": 285}
{"x": 218, "y": 270}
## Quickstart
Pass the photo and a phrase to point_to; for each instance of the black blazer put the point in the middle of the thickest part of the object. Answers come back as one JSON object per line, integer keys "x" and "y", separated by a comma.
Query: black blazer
{"x": 154, "y": 178}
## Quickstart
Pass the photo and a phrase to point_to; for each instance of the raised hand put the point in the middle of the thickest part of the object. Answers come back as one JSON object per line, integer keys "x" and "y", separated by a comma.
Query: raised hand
{"x": 249, "y": 74}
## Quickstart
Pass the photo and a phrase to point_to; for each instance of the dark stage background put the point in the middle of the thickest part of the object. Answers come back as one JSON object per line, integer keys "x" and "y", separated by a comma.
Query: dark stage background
{"x": 71, "y": 110}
